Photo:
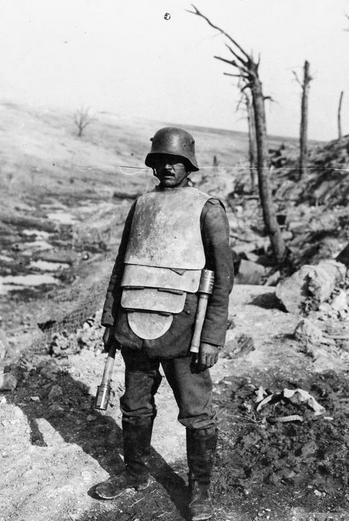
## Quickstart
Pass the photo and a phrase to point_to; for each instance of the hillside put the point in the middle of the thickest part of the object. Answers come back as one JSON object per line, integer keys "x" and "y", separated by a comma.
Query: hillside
{"x": 63, "y": 199}
{"x": 63, "y": 202}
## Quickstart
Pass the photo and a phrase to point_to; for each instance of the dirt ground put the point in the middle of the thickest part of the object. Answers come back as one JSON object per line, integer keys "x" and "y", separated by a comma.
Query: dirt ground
{"x": 278, "y": 458}
{"x": 55, "y": 447}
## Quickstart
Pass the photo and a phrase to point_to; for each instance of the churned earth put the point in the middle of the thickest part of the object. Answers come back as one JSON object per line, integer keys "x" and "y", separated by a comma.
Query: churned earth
{"x": 283, "y": 408}
{"x": 55, "y": 447}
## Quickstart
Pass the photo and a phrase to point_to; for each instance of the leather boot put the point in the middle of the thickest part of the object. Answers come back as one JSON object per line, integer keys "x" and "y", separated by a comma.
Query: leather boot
{"x": 201, "y": 449}
{"x": 136, "y": 439}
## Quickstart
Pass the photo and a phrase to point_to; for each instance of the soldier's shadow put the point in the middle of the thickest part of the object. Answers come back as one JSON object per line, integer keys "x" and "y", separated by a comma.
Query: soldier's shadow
{"x": 73, "y": 416}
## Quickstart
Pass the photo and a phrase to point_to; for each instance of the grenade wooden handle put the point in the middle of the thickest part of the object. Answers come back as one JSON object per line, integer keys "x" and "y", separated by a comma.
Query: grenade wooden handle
{"x": 205, "y": 290}
{"x": 104, "y": 389}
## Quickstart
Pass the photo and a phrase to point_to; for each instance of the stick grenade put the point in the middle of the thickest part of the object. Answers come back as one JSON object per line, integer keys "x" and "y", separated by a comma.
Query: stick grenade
{"x": 205, "y": 290}
{"x": 103, "y": 390}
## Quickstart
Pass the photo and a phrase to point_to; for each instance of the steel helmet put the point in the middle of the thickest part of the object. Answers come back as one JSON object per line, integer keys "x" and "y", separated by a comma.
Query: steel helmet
{"x": 176, "y": 142}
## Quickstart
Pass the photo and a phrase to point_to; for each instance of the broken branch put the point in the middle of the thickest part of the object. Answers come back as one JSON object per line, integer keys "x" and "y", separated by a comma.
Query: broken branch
{"x": 198, "y": 13}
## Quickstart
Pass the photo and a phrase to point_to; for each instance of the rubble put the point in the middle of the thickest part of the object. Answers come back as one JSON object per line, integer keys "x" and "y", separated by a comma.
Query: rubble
{"x": 340, "y": 302}
{"x": 295, "y": 396}
{"x": 250, "y": 273}
{"x": 49, "y": 369}
{"x": 3, "y": 345}
{"x": 56, "y": 391}
{"x": 309, "y": 336}
{"x": 8, "y": 382}
{"x": 88, "y": 336}
{"x": 237, "y": 345}
{"x": 308, "y": 287}
{"x": 299, "y": 396}
{"x": 293, "y": 435}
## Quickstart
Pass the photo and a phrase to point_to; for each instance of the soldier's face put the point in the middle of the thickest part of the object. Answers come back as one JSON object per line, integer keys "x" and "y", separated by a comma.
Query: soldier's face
{"x": 170, "y": 171}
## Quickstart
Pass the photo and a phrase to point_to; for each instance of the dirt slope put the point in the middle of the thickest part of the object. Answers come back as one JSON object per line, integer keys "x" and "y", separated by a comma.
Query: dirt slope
{"x": 55, "y": 447}
{"x": 66, "y": 200}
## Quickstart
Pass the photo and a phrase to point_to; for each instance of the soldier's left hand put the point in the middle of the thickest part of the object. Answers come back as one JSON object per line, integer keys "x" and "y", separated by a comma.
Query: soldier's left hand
{"x": 207, "y": 356}
{"x": 108, "y": 338}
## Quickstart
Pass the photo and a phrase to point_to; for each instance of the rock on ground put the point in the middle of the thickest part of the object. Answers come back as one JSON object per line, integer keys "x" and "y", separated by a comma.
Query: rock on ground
{"x": 310, "y": 283}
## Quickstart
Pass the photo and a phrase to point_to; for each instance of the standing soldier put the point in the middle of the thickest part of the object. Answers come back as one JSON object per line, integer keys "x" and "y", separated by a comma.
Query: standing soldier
{"x": 171, "y": 235}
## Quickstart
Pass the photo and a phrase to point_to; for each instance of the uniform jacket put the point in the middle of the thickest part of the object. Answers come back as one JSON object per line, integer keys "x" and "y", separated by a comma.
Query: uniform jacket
{"x": 176, "y": 341}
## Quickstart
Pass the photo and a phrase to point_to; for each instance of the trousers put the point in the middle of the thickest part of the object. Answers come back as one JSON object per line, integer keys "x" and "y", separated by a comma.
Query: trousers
{"x": 192, "y": 391}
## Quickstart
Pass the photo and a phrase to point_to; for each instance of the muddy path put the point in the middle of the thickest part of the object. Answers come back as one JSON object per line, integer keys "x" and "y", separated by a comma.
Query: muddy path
{"x": 55, "y": 447}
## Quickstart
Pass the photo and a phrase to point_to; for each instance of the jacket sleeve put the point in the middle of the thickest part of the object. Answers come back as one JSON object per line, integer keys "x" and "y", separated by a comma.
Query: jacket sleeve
{"x": 219, "y": 258}
{"x": 113, "y": 296}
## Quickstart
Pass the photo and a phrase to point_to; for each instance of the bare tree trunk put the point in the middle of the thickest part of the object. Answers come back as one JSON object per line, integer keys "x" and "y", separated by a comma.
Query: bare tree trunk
{"x": 252, "y": 145}
{"x": 248, "y": 73}
{"x": 304, "y": 121}
{"x": 339, "y": 116}
{"x": 269, "y": 214}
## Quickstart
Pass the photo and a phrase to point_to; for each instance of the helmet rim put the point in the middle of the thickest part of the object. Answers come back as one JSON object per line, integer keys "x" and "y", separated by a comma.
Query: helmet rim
{"x": 173, "y": 141}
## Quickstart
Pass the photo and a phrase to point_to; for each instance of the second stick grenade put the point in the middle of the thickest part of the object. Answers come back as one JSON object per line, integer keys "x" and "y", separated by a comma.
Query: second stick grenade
{"x": 103, "y": 390}
{"x": 205, "y": 290}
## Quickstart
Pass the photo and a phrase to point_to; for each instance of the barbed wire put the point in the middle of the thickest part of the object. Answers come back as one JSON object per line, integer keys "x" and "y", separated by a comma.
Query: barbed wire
{"x": 85, "y": 168}
{"x": 139, "y": 170}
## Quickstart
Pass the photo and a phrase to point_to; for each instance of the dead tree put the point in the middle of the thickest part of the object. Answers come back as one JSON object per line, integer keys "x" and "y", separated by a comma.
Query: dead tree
{"x": 252, "y": 145}
{"x": 304, "y": 120}
{"x": 339, "y": 116}
{"x": 303, "y": 137}
{"x": 247, "y": 72}
{"x": 82, "y": 118}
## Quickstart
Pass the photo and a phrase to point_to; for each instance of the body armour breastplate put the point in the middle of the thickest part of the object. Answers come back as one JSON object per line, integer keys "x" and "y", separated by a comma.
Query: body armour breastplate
{"x": 164, "y": 258}
{"x": 165, "y": 230}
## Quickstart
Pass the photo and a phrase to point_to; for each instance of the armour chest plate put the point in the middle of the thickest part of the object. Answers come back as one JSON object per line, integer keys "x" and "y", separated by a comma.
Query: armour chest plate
{"x": 165, "y": 230}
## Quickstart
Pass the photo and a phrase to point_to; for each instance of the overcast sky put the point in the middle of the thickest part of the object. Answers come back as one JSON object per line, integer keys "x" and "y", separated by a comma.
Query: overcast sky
{"x": 125, "y": 56}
